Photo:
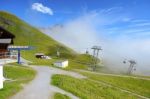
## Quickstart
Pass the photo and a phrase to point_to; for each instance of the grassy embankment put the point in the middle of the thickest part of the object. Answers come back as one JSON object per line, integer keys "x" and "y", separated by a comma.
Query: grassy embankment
{"x": 139, "y": 86}
{"x": 20, "y": 75}
{"x": 60, "y": 96}
{"x": 86, "y": 89}
{"x": 26, "y": 34}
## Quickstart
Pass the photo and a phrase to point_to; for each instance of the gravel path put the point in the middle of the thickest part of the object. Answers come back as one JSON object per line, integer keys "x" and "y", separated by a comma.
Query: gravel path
{"x": 40, "y": 87}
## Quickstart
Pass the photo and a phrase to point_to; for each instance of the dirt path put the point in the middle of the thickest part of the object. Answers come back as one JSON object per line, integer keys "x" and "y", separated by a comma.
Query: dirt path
{"x": 40, "y": 87}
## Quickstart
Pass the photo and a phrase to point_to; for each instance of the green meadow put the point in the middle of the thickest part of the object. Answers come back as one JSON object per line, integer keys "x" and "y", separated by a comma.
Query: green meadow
{"x": 19, "y": 75}
{"x": 86, "y": 89}
{"x": 139, "y": 86}
{"x": 95, "y": 86}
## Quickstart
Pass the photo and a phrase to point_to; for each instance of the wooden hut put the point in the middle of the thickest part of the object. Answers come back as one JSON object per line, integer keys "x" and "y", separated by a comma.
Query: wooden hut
{"x": 6, "y": 39}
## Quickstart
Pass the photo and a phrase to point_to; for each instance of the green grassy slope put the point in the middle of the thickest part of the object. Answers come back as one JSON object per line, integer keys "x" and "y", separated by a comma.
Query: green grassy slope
{"x": 20, "y": 74}
{"x": 60, "y": 96}
{"x": 139, "y": 86}
{"x": 28, "y": 35}
{"x": 86, "y": 89}
{"x": 82, "y": 61}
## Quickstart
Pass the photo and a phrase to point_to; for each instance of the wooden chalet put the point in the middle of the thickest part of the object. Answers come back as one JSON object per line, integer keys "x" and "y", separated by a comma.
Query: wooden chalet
{"x": 6, "y": 39}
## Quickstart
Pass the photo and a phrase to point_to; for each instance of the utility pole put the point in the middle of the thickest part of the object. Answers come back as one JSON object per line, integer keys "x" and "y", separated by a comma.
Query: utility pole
{"x": 96, "y": 50}
{"x": 58, "y": 51}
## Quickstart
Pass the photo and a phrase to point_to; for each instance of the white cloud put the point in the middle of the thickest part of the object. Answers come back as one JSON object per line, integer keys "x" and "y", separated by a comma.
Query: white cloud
{"x": 78, "y": 34}
{"x": 90, "y": 29}
{"x": 41, "y": 8}
{"x": 111, "y": 10}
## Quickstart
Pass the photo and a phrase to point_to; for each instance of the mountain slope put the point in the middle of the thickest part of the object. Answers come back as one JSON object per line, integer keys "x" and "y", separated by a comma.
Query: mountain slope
{"x": 28, "y": 35}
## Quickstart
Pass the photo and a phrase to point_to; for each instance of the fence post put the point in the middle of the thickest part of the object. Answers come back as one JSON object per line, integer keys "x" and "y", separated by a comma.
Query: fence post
{"x": 1, "y": 76}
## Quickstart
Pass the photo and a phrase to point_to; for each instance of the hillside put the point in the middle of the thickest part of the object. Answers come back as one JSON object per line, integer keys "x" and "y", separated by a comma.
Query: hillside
{"x": 79, "y": 83}
{"x": 29, "y": 35}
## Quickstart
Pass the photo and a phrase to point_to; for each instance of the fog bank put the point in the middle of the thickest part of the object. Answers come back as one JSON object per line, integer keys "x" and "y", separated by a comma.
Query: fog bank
{"x": 93, "y": 28}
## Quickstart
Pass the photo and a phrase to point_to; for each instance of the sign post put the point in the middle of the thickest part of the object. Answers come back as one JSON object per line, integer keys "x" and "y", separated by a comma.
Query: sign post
{"x": 1, "y": 76}
{"x": 19, "y": 56}
{"x": 19, "y": 48}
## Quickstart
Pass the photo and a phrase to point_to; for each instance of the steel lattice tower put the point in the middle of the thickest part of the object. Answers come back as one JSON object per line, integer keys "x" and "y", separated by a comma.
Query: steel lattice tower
{"x": 96, "y": 50}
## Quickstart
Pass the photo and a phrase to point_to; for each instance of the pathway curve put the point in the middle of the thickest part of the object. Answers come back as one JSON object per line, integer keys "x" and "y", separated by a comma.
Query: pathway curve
{"x": 40, "y": 87}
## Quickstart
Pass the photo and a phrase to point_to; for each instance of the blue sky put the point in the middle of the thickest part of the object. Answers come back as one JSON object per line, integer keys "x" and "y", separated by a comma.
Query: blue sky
{"x": 121, "y": 27}
{"x": 67, "y": 9}
{"x": 129, "y": 17}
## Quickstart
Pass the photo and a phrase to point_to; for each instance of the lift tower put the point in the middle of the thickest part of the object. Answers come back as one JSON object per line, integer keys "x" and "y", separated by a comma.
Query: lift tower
{"x": 96, "y": 50}
{"x": 132, "y": 66}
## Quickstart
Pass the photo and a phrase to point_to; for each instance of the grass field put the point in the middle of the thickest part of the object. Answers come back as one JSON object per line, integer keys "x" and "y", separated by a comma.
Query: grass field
{"x": 26, "y": 34}
{"x": 81, "y": 61}
{"x": 60, "y": 96}
{"x": 21, "y": 74}
{"x": 135, "y": 85}
{"x": 86, "y": 89}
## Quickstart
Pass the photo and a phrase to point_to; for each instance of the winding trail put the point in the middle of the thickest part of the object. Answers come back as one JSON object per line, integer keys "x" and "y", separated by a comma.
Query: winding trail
{"x": 40, "y": 87}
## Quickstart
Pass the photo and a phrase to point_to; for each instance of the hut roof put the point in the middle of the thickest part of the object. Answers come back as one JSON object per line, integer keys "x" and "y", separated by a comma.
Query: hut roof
{"x": 60, "y": 61}
{"x": 5, "y": 34}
